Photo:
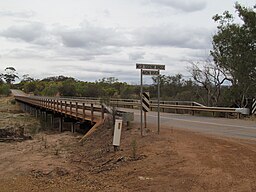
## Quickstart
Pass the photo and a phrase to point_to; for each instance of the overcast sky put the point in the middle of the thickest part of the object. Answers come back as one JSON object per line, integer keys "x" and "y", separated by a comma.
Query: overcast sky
{"x": 92, "y": 39}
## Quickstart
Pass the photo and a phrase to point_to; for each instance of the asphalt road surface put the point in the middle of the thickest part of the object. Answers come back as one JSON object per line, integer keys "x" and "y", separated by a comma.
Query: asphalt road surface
{"x": 238, "y": 128}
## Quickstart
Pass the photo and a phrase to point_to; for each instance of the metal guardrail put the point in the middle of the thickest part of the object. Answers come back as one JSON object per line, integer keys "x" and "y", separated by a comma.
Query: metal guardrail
{"x": 184, "y": 107}
{"x": 178, "y": 108}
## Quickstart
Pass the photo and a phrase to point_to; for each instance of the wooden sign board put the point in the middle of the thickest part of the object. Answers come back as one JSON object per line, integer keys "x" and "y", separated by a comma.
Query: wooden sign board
{"x": 148, "y": 72}
{"x": 150, "y": 66}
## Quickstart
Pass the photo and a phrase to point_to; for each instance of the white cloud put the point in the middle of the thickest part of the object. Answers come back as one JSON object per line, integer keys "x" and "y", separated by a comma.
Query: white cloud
{"x": 184, "y": 5}
{"x": 174, "y": 36}
{"x": 18, "y": 14}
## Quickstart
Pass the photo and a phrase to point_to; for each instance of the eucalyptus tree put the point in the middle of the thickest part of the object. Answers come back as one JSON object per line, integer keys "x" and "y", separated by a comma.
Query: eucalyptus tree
{"x": 10, "y": 75}
{"x": 234, "y": 51}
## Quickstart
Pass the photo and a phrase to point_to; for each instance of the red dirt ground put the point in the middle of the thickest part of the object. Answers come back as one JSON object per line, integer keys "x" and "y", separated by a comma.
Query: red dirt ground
{"x": 175, "y": 160}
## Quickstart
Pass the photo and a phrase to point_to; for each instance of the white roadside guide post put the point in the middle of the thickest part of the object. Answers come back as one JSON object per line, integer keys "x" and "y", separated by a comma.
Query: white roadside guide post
{"x": 117, "y": 134}
{"x": 149, "y": 69}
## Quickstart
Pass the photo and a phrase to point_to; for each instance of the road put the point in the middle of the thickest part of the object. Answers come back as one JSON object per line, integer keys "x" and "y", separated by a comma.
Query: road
{"x": 245, "y": 129}
{"x": 17, "y": 92}
{"x": 238, "y": 128}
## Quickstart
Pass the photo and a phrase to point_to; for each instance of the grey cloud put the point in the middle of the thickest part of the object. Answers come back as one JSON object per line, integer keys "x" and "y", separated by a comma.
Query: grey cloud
{"x": 136, "y": 56}
{"x": 77, "y": 53}
{"x": 19, "y": 14}
{"x": 171, "y": 36}
{"x": 83, "y": 43}
{"x": 184, "y": 5}
{"x": 29, "y": 32}
{"x": 92, "y": 36}
{"x": 89, "y": 42}
{"x": 29, "y": 53}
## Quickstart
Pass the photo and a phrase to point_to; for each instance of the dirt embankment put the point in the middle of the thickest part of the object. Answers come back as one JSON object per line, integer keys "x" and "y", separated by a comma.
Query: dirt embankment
{"x": 175, "y": 160}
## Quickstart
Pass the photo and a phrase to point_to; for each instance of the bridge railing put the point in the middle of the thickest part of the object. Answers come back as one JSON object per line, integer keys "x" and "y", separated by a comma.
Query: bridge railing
{"x": 77, "y": 108}
{"x": 165, "y": 106}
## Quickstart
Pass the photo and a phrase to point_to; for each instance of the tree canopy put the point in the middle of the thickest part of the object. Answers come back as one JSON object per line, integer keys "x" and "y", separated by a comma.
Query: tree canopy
{"x": 10, "y": 75}
{"x": 234, "y": 51}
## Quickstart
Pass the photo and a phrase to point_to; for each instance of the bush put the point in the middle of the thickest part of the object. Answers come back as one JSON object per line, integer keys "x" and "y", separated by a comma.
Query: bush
{"x": 13, "y": 101}
{"x": 5, "y": 90}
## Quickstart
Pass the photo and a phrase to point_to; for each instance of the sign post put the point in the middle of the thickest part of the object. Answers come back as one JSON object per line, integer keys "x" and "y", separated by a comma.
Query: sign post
{"x": 158, "y": 104}
{"x": 141, "y": 113}
{"x": 149, "y": 69}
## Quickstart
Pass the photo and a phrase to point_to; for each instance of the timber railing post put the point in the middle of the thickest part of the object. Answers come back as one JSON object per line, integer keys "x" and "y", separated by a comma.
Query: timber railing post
{"x": 57, "y": 105}
{"x": 102, "y": 112}
{"x": 47, "y": 103}
{"x": 76, "y": 109}
{"x": 70, "y": 108}
{"x": 65, "y": 107}
{"x": 83, "y": 111}
{"x": 91, "y": 113}
{"x": 51, "y": 103}
{"x": 61, "y": 106}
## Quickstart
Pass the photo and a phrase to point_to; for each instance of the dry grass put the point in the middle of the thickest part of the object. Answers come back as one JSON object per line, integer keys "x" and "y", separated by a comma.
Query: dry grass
{"x": 12, "y": 116}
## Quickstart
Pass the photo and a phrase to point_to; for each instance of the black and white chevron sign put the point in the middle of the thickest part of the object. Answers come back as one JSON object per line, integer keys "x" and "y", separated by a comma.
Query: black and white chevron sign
{"x": 254, "y": 106}
{"x": 145, "y": 101}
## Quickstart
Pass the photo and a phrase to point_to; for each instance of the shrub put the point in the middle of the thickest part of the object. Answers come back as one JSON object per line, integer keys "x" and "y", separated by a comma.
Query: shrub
{"x": 5, "y": 90}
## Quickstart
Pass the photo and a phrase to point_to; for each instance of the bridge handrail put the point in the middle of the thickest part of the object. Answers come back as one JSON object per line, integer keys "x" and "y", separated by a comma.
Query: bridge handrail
{"x": 177, "y": 105}
{"x": 66, "y": 106}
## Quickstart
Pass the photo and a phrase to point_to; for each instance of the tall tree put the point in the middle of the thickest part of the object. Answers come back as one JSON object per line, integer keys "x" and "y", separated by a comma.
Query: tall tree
{"x": 234, "y": 51}
{"x": 10, "y": 75}
{"x": 1, "y": 78}
{"x": 210, "y": 77}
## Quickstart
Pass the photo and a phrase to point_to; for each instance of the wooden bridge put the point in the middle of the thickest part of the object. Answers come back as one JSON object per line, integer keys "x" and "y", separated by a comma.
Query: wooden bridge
{"x": 68, "y": 110}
